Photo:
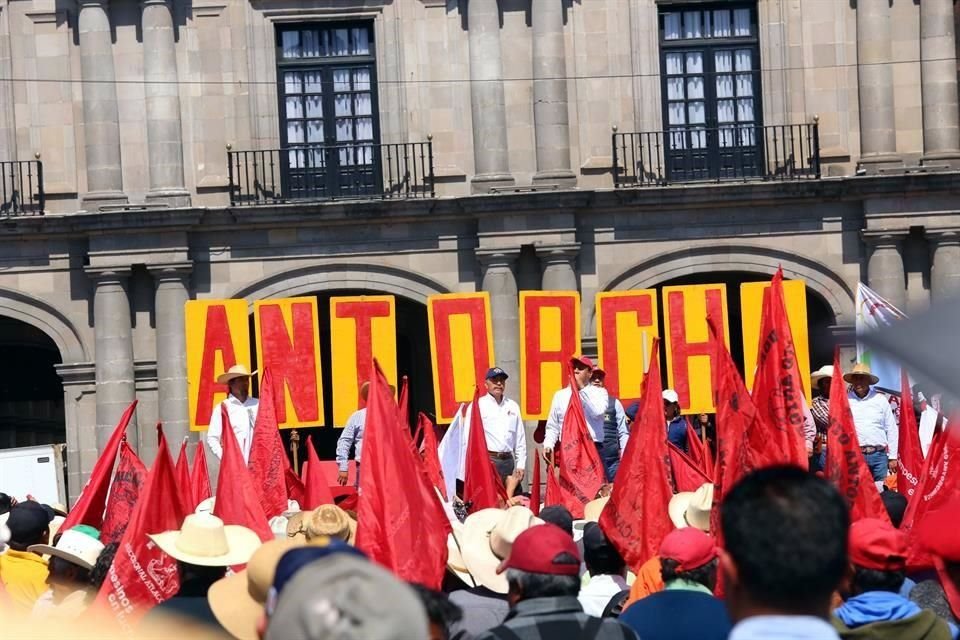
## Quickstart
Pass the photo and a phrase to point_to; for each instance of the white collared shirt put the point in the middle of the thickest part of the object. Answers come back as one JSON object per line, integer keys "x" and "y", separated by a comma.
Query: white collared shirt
{"x": 783, "y": 627}
{"x": 243, "y": 415}
{"x": 874, "y": 421}
{"x": 502, "y": 426}
{"x": 594, "y": 399}
{"x": 596, "y": 594}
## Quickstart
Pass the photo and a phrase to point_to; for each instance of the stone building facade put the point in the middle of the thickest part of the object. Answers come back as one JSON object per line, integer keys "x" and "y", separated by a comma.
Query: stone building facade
{"x": 588, "y": 145}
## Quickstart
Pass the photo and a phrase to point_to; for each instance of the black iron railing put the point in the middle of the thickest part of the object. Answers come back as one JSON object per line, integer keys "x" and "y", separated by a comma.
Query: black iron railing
{"x": 21, "y": 188}
{"x": 332, "y": 172}
{"x": 736, "y": 152}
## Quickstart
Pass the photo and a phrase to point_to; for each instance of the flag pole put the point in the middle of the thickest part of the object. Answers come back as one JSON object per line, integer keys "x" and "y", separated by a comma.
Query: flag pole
{"x": 295, "y": 450}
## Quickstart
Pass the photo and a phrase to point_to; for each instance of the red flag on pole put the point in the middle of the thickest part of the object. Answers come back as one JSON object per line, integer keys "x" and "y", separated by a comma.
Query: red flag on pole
{"x": 89, "y": 507}
{"x": 142, "y": 575}
{"x": 687, "y": 475}
{"x": 237, "y": 501}
{"x": 182, "y": 471}
{"x": 535, "y": 484}
{"x": 200, "y": 477}
{"x": 695, "y": 446}
{"x": 402, "y": 525}
{"x": 266, "y": 451}
{"x": 778, "y": 388}
{"x": 295, "y": 487}
{"x": 127, "y": 484}
{"x": 316, "y": 489}
{"x": 581, "y": 471}
{"x": 431, "y": 459}
{"x": 635, "y": 519}
{"x": 910, "y": 462}
{"x": 554, "y": 494}
{"x": 846, "y": 466}
{"x": 482, "y": 488}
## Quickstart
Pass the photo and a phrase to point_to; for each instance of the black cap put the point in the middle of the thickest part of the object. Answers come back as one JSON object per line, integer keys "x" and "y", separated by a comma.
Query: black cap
{"x": 496, "y": 372}
{"x": 598, "y": 552}
{"x": 632, "y": 410}
{"x": 27, "y": 520}
{"x": 559, "y": 515}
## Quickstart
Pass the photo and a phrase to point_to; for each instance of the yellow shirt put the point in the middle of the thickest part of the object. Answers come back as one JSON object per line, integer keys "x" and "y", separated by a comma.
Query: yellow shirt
{"x": 24, "y": 576}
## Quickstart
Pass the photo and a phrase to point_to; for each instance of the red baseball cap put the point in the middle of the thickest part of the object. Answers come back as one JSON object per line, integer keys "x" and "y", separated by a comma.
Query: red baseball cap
{"x": 583, "y": 360}
{"x": 690, "y": 547}
{"x": 875, "y": 544}
{"x": 538, "y": 550}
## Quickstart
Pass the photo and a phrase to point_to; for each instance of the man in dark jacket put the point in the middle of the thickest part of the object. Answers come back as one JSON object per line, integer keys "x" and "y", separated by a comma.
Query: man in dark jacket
{"x": 543, "y": 572}
{"x": 874, "y": 609}
{"x": 686, "y": 608}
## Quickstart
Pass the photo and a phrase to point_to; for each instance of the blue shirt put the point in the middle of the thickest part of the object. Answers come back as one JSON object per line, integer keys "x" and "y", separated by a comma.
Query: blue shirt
{"x": 676, "y": 614}
{"x": 352, "y": 435}
{"x": 677, "y": 433}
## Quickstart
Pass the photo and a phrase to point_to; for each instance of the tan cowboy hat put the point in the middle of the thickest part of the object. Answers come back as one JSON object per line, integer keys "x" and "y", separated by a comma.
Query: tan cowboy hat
{"x": 487, "y": 539}
{"x": 826, "y": 371}
{"x": 593, "y": 509}
{"x": 296, "y": 527}
{"x": 75, "y": 546}
{"x": 238, "y": 600}
{"x": 860, "y": 369}
{"x": 455, "y": 562}
{"x": 692, "y": 508}
{"x": 236, "y": 371}
{"x": 205, "y": 541}
{"x": 329, "y": 520}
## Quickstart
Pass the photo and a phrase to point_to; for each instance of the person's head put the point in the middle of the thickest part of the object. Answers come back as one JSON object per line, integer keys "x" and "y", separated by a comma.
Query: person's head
{"x": 559, "y": 515}
{"x": 204, "y": 547}
{"x": 689, "y": 554}
{"x": 199, "y": 574}
{"x": 785, "y": 533}
{"x": 599, "y": 554}
{"x": 65, "y": 577}
{"x": 6, "y": 502}
{"x": 237, "y": 380}
{"x": 878, "y": 557}
{"x": 29, "y": 524}
{"x": 496, "y": 382}
{"x": 822, "y": 378}
{"x": 631, "y": 412}
{"x": 896, "y": 504}
{"x": 823, "y": 386}
{"x": 582, "y": 370}
{"x": 441, "y": 613}
{"x": 104, "y": 561}
{"x": 240, "y": 387}
{"x": 543, "y": 563}
{"x": 671, "y": 404}
{"x": 72, "y": 557}
{"x": 860, "y": 379}
{"x": 598, "y": 377}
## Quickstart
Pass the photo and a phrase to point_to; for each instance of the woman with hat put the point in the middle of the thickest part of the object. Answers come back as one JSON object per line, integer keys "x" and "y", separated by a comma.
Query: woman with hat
{"x": 877, "y": 429}
{"x": 241, "y": 408}
{"x": 71, "y": 559}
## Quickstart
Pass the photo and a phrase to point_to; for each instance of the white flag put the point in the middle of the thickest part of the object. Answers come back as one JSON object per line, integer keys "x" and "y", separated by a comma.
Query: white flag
{"x": 873, "y": 314}
{"x": 451, "y": 452}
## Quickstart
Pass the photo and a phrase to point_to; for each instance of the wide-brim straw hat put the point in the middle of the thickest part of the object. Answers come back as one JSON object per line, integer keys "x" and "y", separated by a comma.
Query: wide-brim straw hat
{"x": 593, "y": 509}
{"x": 487, "y": 539}
{"x": 329, "y": 520}
{"x": 455, "y": 561}
{"x": 205, "y": 541}
{"x": 692, "y": 508}
{"x": 236, "y": 371}
{"x": 826, "y": 371}
{"x": 73, "y": 546}
{"x": 860, "y": 369}
{"x": 237, "y": 601}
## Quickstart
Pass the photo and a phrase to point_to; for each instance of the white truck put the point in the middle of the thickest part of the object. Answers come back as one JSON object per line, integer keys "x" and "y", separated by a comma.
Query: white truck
{"x": 37, "y": 471}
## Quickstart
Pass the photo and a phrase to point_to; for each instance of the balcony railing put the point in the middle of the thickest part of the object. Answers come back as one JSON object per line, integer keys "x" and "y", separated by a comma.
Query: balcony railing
{"x": 729, "y": 153}
{"x": 21, "y": 188}
{"x": 331, "y": 172}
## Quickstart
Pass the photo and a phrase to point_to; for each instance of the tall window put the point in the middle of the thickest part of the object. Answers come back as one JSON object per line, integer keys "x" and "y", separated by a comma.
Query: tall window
{"x": 328, "y": 106}
{"x": 710, "y": 69}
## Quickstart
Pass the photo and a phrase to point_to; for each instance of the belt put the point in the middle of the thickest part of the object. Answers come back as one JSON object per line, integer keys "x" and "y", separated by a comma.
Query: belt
{"x": 873, "y": 449}
{"x": 500, "y": 455}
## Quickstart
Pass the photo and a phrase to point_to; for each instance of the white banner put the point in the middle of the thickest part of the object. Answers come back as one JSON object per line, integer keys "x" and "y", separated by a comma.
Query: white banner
{"x": 873, "y": 314}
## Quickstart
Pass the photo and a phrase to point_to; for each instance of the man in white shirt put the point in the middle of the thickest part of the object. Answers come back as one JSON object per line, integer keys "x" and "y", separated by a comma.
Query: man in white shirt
{"x": 877, "y": 429}
{"x": 502, "y": 426}
{"x": 607, "y": 571}
{"x": 241, "y": 408}
{"x": 594, "y": 400}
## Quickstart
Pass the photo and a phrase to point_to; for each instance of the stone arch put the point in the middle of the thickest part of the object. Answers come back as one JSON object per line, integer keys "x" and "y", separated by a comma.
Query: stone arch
{"x": 320, "y": 277}
{"x": 49, "y": 320}
{"x": 676, "y": 263}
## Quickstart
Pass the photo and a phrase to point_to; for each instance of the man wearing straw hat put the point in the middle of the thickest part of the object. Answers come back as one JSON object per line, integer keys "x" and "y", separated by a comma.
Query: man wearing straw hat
{"x": 241, "y": 407}
{"x": 877, "y": 429}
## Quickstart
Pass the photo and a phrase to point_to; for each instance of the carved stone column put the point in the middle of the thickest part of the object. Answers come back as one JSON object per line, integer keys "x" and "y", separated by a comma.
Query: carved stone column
{"x": 885, "y": 270}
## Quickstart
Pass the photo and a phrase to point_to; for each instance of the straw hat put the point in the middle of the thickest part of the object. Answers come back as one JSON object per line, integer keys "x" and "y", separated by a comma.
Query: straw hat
{"x": 75, "y": 546}
{"x": 487, "y": 539}
{"x": 237, "y": 600}
{"x": 455, "y": 561}
{"x": 593, "y": 509}
{"x": 205, "y": 541}
{"x": 860, "y": 369}
{"x": 826, "y": 371}
{"x": 207, "y": 505}
{"x": 331, "y": 521}
{"x": 692, "y": 508}
{"x": 236, "y": 371}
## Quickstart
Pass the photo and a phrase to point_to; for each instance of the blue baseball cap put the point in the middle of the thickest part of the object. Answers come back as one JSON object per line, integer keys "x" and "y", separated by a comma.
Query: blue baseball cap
{"x": 631, "y": 411}
{"x": 292, "y": 561}
{"x": 496, "y": 372}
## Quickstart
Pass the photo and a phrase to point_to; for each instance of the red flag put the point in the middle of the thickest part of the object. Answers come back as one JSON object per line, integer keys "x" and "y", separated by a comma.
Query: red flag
{"x": 695, "y": 447}
{"x": 183, "y": 474}
{"x": 554, "y": 492}
{"x": 237, "y": 501}
{"x": 89, "y": 507}
{"x": 200, "y": 477}
{"x": 266, "y": 451}
{"x": 127, "y": 484}
{"x": 535, "y": 485}
{"x": 482, "y": 488}
{"x": 142, "y": 575}
{"x": 910, "y": 462}
{"x": 431, "y": 459}
{"x": 316, "y": 489}
{"x": 581, "y": 471}
{"x": 295, "y": 487}
{"x": 402, "y": 524}
{"x": 846, "y": 466}
{"x": 687, "y": 475}
{"x": 778, "y": 387}
{"x": 635, "y": 519}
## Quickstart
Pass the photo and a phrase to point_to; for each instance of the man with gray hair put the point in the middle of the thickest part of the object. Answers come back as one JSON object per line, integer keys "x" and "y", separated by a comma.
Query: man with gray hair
{"x": 543, "y": 573}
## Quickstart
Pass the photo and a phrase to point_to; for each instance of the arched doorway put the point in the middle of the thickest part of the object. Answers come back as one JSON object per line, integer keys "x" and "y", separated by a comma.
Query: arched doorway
{"x": 31, "y": 392}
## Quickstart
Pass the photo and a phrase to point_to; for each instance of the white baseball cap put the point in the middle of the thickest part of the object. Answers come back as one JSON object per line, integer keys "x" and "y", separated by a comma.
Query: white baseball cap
{"x": 671, "y": 396}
